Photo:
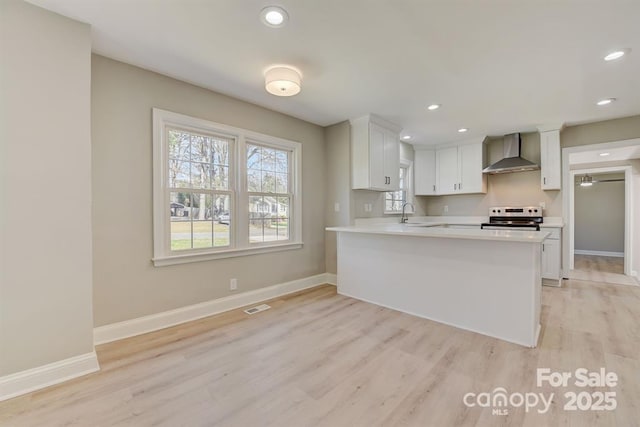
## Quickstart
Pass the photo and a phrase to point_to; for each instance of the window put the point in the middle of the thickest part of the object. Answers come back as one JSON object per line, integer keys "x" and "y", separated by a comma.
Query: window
{"x": 221, "y": 191}
{"x": 393, "y": 200}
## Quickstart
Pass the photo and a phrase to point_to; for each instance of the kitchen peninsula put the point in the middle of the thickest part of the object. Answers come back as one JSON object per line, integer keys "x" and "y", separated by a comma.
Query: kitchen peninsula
{"x": 485, "y": 281}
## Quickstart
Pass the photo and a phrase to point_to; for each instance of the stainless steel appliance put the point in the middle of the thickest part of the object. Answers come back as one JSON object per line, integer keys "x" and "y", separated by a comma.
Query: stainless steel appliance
{"x": 511, "y": 162}
{"x": 507, "y": 217}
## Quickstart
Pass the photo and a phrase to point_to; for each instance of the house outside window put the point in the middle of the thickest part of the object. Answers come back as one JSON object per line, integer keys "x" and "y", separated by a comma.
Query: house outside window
{"x": 393, "y": 200}
{"x": 221, "y": 191}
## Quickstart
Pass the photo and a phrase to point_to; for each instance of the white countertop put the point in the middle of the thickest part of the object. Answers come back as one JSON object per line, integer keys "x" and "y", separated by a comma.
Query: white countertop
{"x": 549, "y": 221}
{"x": 431, "y": 229}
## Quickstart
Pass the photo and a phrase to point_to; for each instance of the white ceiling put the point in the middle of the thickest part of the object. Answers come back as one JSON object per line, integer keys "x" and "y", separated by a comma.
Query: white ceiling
{"x": 496, "y": 66}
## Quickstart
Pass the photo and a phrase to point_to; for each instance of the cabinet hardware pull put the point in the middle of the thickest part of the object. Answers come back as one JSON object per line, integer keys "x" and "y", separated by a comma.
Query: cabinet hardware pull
{"x": 434, "y": 188}
{"x": 544, "y": 180}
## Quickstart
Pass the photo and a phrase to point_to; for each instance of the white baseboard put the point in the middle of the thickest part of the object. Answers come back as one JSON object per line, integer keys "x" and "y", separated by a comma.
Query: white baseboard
{"x": 44, "y": 376}
{"x": 599, "y": 253}
{"x": 154, "y": 322}
{"x": 332, "y": 279}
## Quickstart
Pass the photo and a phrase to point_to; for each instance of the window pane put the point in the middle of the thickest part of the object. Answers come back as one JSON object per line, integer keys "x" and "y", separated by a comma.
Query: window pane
{"x": 254, "y": 156}
{"x": 282, "y": 183}
{"x": 200, "y": 149}
{"x": 220, "y": 177}
{"x": 221, "y": 209}
{"x": 254, "y": 180}
{"x": 268, "y": 182}
{"x": 282, "y": 161}
{"x": 180, "y": 226}
{"x": 268, "y": 159}
{"x": 179, "y": 173}
{"x": 220, "y": 151}
{"x": 200, "y": 175}
{"x": 202, "y": 220}
{"x": 258, "y": 210}
{"x": 179, "y": 145}
{"x": 267, "y": 170}
{"x": 281, "y": 221}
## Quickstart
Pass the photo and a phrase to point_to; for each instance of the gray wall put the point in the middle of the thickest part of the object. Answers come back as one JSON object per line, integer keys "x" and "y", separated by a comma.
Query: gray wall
{"x": 126, "y": 284}
{"x": 45, "y": 229}
{"x": 599, "y": 132}
{"x": 512, "y": 189}
{"x": 338, "y": 155}
{"x": 599, "y": 215}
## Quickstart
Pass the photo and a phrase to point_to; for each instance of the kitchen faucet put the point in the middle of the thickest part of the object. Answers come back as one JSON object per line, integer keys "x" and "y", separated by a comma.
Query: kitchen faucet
{"x": 404, "y": 218}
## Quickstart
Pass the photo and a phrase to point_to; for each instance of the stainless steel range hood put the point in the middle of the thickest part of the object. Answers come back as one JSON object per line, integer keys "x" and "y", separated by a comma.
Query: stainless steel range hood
{"x": 512, "y": 162}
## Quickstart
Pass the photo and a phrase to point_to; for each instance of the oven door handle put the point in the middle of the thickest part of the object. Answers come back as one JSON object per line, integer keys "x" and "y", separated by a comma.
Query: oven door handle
{"x": 536, "y": 226}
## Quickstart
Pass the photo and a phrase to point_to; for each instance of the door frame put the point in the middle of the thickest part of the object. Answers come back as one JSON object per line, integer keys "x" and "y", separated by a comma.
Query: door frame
{"x": 566, "y": 183}
{"x": 628, "y": 232}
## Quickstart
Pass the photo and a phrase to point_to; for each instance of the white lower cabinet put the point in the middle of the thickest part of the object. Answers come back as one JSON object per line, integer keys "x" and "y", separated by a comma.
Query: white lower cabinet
{"x": 551, "y": 257}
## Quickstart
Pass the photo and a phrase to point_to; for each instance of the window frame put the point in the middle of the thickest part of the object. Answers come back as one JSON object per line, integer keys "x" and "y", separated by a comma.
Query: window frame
{"x": 239, "y": 244}
{"x": 408, "y": 165}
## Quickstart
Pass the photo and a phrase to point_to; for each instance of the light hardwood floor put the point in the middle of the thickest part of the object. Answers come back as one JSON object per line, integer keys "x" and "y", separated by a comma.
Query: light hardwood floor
{"x": 318, "y": 358}
{"x": 603, "y": 264}
{"x": 601, "y": 269}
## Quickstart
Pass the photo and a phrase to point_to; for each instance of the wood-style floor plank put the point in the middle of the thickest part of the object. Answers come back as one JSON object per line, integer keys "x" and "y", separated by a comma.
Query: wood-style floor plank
{"x": 321, "y": 359}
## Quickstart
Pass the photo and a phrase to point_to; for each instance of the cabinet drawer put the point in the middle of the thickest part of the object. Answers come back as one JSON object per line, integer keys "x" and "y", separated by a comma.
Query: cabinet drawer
{"x": 555, "y": 232}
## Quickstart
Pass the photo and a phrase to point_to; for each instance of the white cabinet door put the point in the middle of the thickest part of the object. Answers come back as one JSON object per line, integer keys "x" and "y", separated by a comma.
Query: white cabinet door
{"x": 447, "y": 170}
{"x": 471, "y": 163}
{"x": 550, "y": 164}
{"x": 391, "y": 169}
{"x": 424, "y": 172}
{"x": 551, "y": 259}
{"x": 377, "y": 178}
{"x": 375, "y": 154}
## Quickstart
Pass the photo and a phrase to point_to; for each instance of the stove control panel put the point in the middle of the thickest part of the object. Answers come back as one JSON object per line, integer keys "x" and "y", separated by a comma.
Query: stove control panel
{"x": 527, "y": 211}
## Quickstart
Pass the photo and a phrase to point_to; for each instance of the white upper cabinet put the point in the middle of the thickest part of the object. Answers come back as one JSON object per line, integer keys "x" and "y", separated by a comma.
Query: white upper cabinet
{"x": 447, "y": 176}
{"x": 550, "y": 165}
{"x": 375, "y": 154}
{"x": 424, "y": 171}
{"x": 459, "y": 169}
{"x": 471, "y": 158}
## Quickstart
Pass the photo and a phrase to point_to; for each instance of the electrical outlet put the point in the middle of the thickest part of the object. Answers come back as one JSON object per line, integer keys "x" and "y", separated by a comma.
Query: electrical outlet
{"x": 543, "y": 205}
{"x": 336, "y": 207}
{"x": 446, "y": 208}
{"x": 233, "y": 284}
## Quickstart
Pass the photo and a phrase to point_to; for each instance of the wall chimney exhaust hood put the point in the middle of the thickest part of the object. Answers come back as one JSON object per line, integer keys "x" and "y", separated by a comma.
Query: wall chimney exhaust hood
{"x": 512, "y": 162}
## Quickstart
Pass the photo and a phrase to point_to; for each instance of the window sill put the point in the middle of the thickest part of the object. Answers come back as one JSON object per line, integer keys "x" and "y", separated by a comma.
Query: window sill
{"x": 231, "y": 253}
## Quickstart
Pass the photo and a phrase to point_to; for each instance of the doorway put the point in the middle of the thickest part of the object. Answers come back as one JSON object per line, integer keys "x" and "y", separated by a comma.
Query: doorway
{"x": 613, "y": 164}
{"x": 600, "y": 225}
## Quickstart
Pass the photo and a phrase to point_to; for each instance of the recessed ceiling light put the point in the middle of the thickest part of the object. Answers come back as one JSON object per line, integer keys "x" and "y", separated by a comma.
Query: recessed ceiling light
{"x": 606, "y": 101}
{"x": 616, "y": 54}
{"x": 462, "y": 130}
{"x": 274, "y": 16}
{"x": 406, "y": 137}
{"x": 433, "y": 107}
{"x": 604, "y": 154}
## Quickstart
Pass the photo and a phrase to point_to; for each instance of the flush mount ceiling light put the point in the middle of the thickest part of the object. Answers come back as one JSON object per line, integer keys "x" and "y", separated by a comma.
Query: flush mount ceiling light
{"x": 406, "y": 137}
{"x": 462, "y": 130}
{"x": 606, "y": 101}
{"x": 604, "y": 154}
{"x": 433, "y": 107}
{"x": 586, "y": 181}
{"x": 274, "y": 16}
{"x": 282, "y": 80}
{"x": 616, "y": 54}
